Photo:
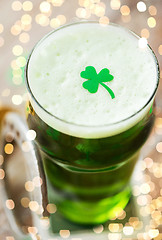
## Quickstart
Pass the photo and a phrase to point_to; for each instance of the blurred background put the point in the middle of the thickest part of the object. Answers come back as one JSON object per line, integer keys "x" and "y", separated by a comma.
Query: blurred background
{"x": 23, "y": 23}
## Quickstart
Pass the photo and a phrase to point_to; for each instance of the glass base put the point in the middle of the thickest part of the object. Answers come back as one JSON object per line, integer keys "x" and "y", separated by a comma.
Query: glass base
{"x": 92, "y": 213}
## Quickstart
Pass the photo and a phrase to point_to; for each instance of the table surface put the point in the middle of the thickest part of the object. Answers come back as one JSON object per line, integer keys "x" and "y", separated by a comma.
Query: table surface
{"x": 22, "y": 24}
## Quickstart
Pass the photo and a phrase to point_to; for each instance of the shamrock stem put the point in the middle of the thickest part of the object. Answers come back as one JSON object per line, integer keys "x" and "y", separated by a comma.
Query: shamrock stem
{"x": 108, "y": 89}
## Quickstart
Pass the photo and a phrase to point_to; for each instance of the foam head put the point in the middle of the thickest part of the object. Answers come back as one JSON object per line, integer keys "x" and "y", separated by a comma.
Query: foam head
{"x": 56, "y": 82}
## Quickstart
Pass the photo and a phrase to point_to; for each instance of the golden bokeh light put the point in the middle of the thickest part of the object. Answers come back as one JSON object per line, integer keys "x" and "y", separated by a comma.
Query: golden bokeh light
{"x": 14, "y": 65}
{"x": 9, "y": 137}
{"x": 29, "y": 186}
{"x": 16, "y": 29}
{"x": 115, "y": 4}
{"x": 26, "y": 146}
{"x": 141, "y": 6}
{"x": 83, "y": 13}
{"x": 152, "y": 10}
{"x": 42, "y": 20}
{"x": 34, "y": 206}
{"x": 2, "y": 174}
{"x": 114, "y": 236}
{"x": 99, "y": 11}
{"x": 64, "y": 233}
{"x": 121, "y": 215}
{"x": 26, "y": 19}
{"x": 115, "y": 227}
{"x": 1, "y": 41}
{"x": 104, "y": 20}
{"x": 159, "y": 147}
{"x": 26, "y": 27}
{"x": 153, "y": 233}
{"x": 145, "y": 33}
{"x": 10, "y": 238}
{"x": 151, "y": 22}
{"x": 45, "y": 7}
{"x": 1, "y": 28}
{"x": 62, "y": 19}
{"x": 1, "y": 159}
{"x": 17, "y": 50}
{"x": 10, "y": 204}
{"x": 9, "y": 148}
{"x": 37, "y": 181}
{"x": 57, "y": 3}
{"x": 31, "y": 135}
{"x": 21, "y": 61}
{"x": 55, "y": 23}
{"x": 160, "y": 49}
{"x": 17, "y": 99}
{"x": 51, "y": 208}
{"x": 17, "y": 5}
{"x": 128, "y": 230}
{"x": 25, "y": 202}
{"x": 125, "y": 10}
{"x": 33, "y": 230}
{"x": 145, "y": 188}
{"x": 24, "y": 37}
{"x": 27, "y": 6}
{"x": 98, "y": 229}
{"x": 149, "y": 162}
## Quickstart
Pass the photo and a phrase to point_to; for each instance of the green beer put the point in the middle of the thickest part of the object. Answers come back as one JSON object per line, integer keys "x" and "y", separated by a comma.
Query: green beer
{"x": 90, "y": 134}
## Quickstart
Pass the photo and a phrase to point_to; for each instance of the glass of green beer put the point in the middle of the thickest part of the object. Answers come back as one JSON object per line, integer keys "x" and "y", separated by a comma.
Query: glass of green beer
{"x": 91, "y": 96}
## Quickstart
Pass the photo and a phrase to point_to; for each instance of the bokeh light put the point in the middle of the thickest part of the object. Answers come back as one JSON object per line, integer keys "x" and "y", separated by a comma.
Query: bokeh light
{"x": 160, "y": 49}
{"x": 27, "y": 6}
{"x": 98, "y": 229}
{"x": 17, "y": 99}
{"x": 8, "y": 148}
{"x": 145, "y": 33}
{"x": 2, "y": 174}
{"x": 31, "y": 135}
{"x": 151, "y": 22}
{"x": 1, "y": 160}
{"x": 17, "y": 50}
{"x": 1, "y": 41}
{"x": 115, "y": 4}
{"x": 141, "y": 6}
{"x": 29, "y": 186}
{"x": 33, "y": 230}
{"x": 10, "y": 204}
{"x": 24, "y": 37}
{"x": 152, "y": 10}
{"x": 65, "y": 233}
{"x": 104, "y": 20}
{"x": 34, "y": 206}
{"x": 25, "y": 202}
{"x": 51, "y": 208}
{"x": 17, "y": 5}
{"x": 45, "y": 7}
{"x": 125, "y": 10}
{"x": 1, "y": 28}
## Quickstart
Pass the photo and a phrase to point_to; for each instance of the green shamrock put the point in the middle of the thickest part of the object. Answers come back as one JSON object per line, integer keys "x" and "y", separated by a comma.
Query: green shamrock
{"x": 95, "y": 79}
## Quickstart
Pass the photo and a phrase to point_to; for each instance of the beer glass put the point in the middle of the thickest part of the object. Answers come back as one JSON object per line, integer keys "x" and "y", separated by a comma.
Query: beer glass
{"x": 89, "y": 178}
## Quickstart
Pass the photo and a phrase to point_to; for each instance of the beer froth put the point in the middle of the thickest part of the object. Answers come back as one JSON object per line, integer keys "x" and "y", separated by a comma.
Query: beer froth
{"x": 54, "y": 79}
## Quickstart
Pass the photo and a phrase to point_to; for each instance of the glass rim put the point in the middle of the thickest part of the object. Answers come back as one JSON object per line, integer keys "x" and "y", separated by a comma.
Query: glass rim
{"x": 81, "y": 125}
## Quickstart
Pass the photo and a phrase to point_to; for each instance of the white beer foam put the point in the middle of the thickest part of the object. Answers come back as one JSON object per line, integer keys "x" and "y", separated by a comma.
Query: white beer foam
{"x": 54, "y": 79}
